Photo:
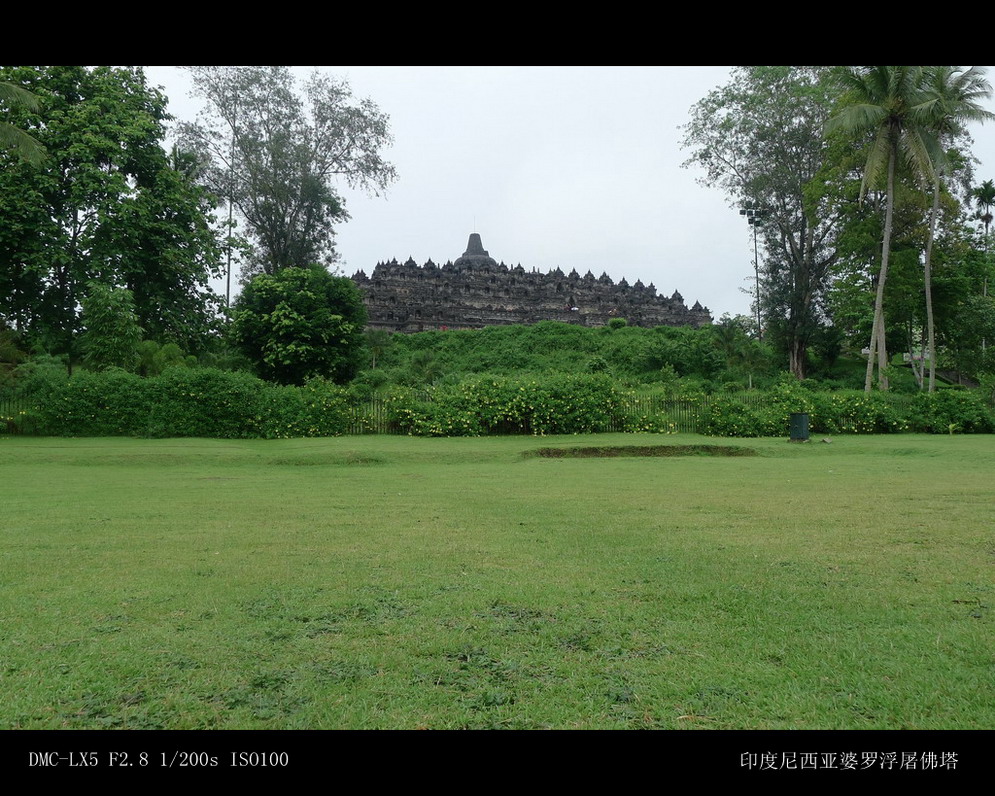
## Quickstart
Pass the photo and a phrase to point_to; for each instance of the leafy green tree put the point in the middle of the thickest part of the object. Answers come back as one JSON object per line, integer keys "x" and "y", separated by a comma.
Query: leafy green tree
{"x": 11, "y": 354}
{"x": 889, "y": 103}
{"x": 729, "y": 335}
{"x": 153, "y": 358}
{"x": 106, "y": 206}
{"x": 273, "y": 156}
{"x": 953, "y": 97}
{"x": 300, "y": 323}
{"x": 760, "y": 139}
{"x": 973, "y": 325}
{"x": 112, "y": 333}
{"x": 425, "y": 368}
{"x": 690, "y": 352}
{"x": 963, "y": 310}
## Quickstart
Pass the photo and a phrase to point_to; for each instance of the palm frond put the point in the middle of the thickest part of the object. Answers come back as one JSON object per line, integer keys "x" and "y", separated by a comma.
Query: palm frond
{"x": 21, "y": 144}
{"x": 12, "y": 137}
{"x": 952, "y": 96}
{"x": 13, "y": 95}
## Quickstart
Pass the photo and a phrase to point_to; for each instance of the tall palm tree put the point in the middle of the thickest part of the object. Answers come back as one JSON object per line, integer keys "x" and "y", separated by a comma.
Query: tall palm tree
{"x": 953, "y": 98}
{"x": 984, "y": 195}
{"x": 887, "y": 102}
{"x": 377, "y": 341}
{"x": 12, "y": 137}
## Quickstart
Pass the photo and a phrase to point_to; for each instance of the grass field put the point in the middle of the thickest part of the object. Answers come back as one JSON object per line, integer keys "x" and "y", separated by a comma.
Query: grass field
{"x": 387, "y": 582}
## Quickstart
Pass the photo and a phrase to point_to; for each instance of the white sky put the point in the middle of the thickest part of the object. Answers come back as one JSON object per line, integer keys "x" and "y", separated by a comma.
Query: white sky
{"x": 576, "y": 167}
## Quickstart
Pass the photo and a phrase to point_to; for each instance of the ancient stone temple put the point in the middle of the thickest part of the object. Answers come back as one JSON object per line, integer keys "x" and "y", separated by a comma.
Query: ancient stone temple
{"x": 477, "y": 291}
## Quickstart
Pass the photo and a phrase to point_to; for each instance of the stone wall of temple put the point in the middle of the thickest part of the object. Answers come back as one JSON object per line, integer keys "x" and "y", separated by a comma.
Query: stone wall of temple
{"x": 476, "y": 291}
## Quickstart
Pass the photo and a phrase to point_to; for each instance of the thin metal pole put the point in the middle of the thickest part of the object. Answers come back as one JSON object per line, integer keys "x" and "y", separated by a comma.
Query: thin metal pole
{"x": 231, "y": 198}
{"x": 756, "y": 269}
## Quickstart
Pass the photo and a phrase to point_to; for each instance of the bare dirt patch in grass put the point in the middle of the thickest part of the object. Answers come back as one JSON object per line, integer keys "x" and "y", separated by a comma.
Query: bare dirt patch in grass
{"x": 611, "y": 451}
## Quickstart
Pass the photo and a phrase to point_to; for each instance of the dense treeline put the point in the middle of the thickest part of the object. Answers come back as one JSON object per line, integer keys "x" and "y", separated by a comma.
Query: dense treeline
{"x": 207, "y": 402}
{"x": 858, "y": 185}
{"x": 108, "y": 326}
{"x": 109, "y": 240}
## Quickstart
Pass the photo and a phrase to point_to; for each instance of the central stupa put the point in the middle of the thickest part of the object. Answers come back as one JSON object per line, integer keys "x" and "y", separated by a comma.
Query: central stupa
{"x": 475, "y": 253}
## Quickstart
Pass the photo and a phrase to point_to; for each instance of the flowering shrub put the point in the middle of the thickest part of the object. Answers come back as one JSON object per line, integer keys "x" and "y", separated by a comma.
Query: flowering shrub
{"x": 329, "y": 408}
{"x": 317, "y": 409}
{"x": 659, "y": 423}
{"x": 564, "y": 404}
{"x": 858, "y": 412}
{"x": 557, "y": 404}
{"x": 729, "y": 417}
{"x": 643, "y": 415}
{"x": 787, "y": 396}
{"x": 402, "y": 407}
{"x": 951, "y": 410}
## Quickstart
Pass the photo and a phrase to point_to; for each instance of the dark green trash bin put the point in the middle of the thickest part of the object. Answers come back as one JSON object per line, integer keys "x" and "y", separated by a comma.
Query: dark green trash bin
{"x": 799, "y": 426}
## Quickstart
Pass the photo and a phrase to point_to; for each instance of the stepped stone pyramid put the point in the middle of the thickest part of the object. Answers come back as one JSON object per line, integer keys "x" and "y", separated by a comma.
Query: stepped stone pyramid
{"x": 475, "y": 291}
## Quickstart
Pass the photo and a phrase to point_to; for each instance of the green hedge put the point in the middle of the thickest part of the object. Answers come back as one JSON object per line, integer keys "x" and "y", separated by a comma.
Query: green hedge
{"x": 847, "y": 412}
{"x": 205, "y": 402}
{"x": 182, "y": 402}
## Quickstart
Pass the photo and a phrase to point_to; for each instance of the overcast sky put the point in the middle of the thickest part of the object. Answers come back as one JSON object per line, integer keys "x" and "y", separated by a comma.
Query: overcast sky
{"x": 576, "y": 167}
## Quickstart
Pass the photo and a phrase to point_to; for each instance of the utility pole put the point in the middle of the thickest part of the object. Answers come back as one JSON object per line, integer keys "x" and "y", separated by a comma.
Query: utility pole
{"x": 754, "y": 215}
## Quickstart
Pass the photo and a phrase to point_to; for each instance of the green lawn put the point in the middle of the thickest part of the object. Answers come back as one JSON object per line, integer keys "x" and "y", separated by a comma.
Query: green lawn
{"x": 390, "y": 582}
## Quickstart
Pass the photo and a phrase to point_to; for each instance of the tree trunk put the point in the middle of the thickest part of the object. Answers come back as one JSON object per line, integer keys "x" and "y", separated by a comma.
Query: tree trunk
{"x": 882, "y": 349}
{"x": 801, "y": 303}
{"x": 930, "y": 339}
{"x": 797, "y": 357}
{"x": 910, "y": 338}
{"x": 883, "y": 359}
{"x": 872, "y": 349}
